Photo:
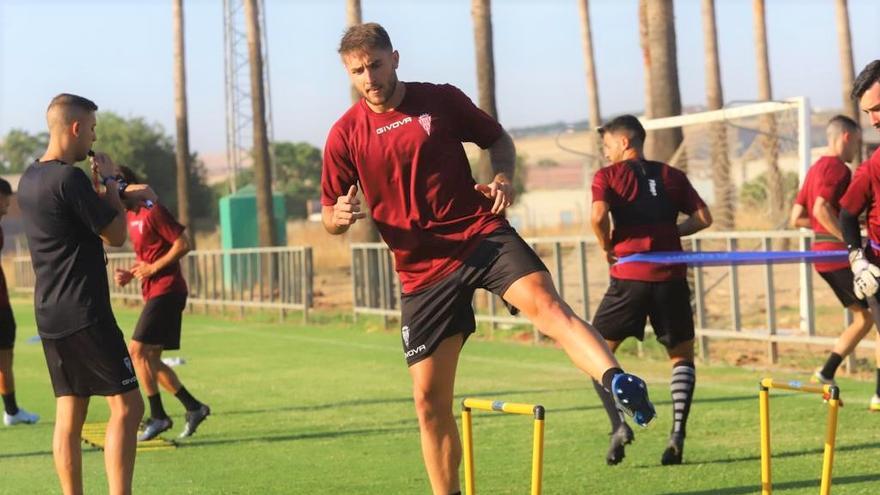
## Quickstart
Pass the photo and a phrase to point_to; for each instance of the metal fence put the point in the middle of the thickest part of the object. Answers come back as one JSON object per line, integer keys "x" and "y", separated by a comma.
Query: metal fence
{"x": 581, "y": 276}
{"x": 277, "y": 278}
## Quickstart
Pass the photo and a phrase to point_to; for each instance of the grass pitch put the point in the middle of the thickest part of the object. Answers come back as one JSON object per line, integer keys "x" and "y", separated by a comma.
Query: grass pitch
{"x": 326, "y": 408}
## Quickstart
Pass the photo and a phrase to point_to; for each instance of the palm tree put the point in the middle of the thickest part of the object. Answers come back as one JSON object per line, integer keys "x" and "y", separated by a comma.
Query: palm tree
{"x": 723, "y": 209}
{"x": 665, "y": 95}
{"x": 481, "y": 11}
{"x": 646, "y": 57}
{"x": 353, "y": 18}
{"x": 260, "y": 152}
{"x": 775, "y": 192}
{"x": 590, "y": 66}
{"x": 850, "y": 107}
{"x": 180, "y": 113}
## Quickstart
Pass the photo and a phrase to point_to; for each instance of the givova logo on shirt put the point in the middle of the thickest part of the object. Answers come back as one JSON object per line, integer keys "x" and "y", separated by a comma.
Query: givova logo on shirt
{"x": 393, "y": 125}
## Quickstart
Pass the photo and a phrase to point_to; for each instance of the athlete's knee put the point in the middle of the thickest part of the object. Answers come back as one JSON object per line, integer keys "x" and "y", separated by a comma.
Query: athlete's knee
{"x": 431, "y": 405}
{"x": 129, "y": 407}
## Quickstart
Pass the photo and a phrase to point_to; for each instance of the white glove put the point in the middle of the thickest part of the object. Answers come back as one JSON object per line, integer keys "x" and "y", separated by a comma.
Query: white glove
{"x": 865, "y": 275}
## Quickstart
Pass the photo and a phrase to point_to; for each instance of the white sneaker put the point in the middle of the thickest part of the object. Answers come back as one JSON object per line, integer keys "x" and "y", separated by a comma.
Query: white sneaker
{"x": 818, "y": 377}
{"x": 874, "y": 406}
{"x": 21, "y": 417}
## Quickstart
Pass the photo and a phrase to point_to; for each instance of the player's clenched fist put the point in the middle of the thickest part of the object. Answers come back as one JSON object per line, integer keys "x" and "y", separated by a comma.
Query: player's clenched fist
{"x": 347, "y": 209}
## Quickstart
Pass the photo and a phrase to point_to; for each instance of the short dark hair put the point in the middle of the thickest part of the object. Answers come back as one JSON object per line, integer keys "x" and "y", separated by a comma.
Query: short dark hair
{"x": 842, "y": 123}
{"x": 867, "y": 77}
{"x": 5, "y": 187}
{"x": 129, "y": 175}
{"x": 73, "y": 101}
{"x": 630, "y": 126}
{"x": 367, "y": 36}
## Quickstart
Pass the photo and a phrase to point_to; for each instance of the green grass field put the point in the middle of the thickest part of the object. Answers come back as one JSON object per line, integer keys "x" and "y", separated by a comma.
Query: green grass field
{"x": 326, "y": 408}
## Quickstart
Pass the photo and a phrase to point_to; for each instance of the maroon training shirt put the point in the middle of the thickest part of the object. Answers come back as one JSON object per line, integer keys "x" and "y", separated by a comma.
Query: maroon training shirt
{"x": 828, "y": 178}
{"x": 152, "y": 232}
{"x": 635, "y": 212}
{"x": 415, "y": 177}
{"x": 864, "y": 192}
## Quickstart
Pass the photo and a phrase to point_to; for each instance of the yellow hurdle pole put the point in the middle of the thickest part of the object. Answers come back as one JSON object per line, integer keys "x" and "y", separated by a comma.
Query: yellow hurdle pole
{"x": 468, "y": 448}
{"x": 538, "y": 451}
{"x": 797, "y": 386}
{"x": 830, "y": 436}
{"x": 764, "y": 406}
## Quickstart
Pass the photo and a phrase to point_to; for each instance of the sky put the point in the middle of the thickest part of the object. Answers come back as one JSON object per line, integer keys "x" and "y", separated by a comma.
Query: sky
{"x": 119, "y": 53}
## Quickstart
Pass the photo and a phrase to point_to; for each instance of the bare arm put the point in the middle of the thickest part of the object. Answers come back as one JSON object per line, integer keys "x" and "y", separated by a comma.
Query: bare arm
{"x": 600, "y": 221}
{"x": 827, "y": 217}
{"x": 114, "y": 233}
{"x": 798, "y": 217}
{"x": 178, "y": 250}
{"x": 503, "y": 156}
{"x": 696, "y": 222}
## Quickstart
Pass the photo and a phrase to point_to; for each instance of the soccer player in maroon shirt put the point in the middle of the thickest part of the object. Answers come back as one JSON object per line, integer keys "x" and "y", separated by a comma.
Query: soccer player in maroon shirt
{"x": 817, "y": 207}
{"x": 644, "y": 198}
{"x": 863, "y": 194}
{"x": 159, "y": 243}
{"x": 402, "y": 145}
{"x": 12, "y": 414}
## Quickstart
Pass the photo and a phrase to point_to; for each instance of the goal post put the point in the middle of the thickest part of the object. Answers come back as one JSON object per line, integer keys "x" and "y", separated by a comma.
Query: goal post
{"x": 745, "y": 127}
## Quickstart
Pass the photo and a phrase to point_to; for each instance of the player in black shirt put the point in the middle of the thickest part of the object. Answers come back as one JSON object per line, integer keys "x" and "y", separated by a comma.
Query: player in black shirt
{"x": 65, "y": 222}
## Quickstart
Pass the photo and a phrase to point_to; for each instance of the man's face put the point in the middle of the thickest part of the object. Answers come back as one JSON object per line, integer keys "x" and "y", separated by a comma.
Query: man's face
{"x": 84, "y": 135}
{"x": 4, "y": 204}
{"x": 613, "y": 146}
{"x": 870, "y": 104}
{"x": 373, "y": 72}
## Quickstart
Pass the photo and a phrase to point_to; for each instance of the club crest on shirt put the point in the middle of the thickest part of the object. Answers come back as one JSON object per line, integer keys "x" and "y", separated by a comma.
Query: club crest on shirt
{"x": 425, "y": 121}
{"x": 138, "y": 224}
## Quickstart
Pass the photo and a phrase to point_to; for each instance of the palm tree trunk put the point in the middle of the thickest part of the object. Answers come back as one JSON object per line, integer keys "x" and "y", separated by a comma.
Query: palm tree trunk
{"x": 481, "y": 11}
{"x": 645, "y": 44}
{"x": 775, "y": 190}
{"x": 260, "y": 152}
{"x": 665, "y": 95}
{"x": 353, "y": 18}
{"x": 724, "y": 207}
{"x": 850, "y": 106}
{"x": 592, "y": 85}
{"x": 180, "y": 113}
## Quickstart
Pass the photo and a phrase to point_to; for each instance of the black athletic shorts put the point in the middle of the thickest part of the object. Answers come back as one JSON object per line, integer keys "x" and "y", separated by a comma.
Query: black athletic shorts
{"x": 7, "y": 328}
{"x": 91, "y": 361}
{"x": 159, "y": 323}
{"x": 444, "y": 309}
{"x": 841, "y": 282}
{"x": 628, "y": 303}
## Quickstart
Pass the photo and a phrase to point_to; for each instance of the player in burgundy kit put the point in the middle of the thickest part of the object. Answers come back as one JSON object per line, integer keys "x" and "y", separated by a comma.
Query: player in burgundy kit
{"x": 12, "y": 414}
{"x": 644, "y": 199}
{"x": 817, "y": 207}
{"x": 863, "y": 193}
{"x": 401, "y": 144}
{"x": 159, "y": 242}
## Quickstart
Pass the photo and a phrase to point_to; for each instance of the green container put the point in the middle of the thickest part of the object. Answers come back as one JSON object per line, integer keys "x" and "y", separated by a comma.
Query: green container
{"x": 238, "y": 229}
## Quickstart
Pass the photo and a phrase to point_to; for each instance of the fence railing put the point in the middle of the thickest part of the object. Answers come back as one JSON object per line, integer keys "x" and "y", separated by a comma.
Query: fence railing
{"x": 277, "y": 278}
{"x": 580, "y": 274}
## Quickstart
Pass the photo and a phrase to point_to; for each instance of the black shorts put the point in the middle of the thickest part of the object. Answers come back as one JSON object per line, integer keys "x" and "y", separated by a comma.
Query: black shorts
{"x": 91, "y": 361}
{"x": 841, "y": 282}
{"x": 628, "y": 303}
{"x": 7, "y": 328}
{"x": 159, "y": 323}
{"x": 444, "y": 309}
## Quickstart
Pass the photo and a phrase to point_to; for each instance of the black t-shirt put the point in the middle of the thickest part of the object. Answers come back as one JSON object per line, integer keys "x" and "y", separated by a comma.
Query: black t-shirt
{"x": 62, "y": 219}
